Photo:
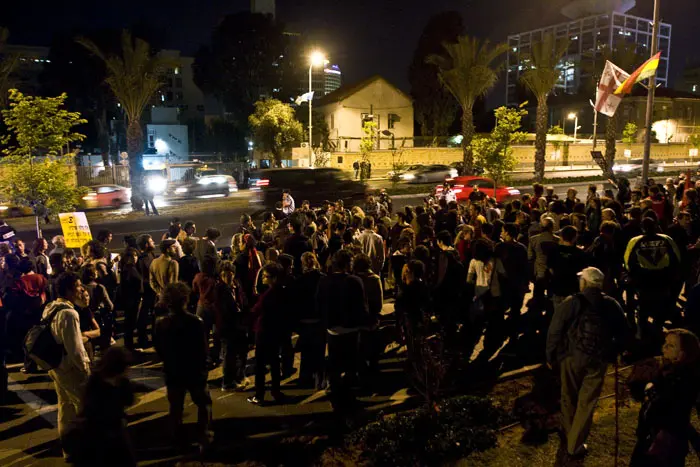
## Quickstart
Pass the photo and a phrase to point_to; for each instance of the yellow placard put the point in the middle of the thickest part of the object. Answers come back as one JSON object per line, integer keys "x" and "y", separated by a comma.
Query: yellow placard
{"x": 75, "y": 229}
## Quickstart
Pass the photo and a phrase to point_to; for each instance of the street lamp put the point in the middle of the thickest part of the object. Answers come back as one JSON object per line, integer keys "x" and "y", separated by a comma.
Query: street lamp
{"x": 316, "y": 59}
{"x": 574, "y": 117}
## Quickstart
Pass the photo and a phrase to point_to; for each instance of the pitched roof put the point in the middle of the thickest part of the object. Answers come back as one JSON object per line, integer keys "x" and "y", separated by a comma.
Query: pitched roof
{"x": 348, "y": 90}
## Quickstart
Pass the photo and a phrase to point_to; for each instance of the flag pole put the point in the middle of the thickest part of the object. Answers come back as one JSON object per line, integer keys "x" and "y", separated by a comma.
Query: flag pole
{"x": 595, "y": 127}
{"x": 650, "y": 96}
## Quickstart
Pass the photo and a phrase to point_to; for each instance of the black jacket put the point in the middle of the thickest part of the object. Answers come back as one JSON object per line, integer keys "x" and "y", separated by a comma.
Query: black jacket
{"x": 565, "y": 263}
{"x": 513, "y": 256}
{"x": 188, "y": 269}
{"x": 296, "y": 245}
{"x": 305, "y": 295}
{"x": 182, "y": 344}
{"x": 341, "y": 301}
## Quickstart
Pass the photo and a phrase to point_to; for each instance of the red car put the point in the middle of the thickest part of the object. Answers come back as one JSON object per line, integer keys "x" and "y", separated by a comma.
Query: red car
{"x": 463, "y": 186}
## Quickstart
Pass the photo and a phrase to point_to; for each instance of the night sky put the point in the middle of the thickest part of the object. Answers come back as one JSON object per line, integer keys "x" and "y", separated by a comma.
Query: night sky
{"x": 365, "y": 37}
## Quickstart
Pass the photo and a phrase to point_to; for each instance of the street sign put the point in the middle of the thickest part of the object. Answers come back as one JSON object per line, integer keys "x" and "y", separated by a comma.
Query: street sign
{"x": 75, "y": 229}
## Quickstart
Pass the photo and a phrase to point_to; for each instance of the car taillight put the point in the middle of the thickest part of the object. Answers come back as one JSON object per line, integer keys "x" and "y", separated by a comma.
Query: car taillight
{"x": 262, "y": 182}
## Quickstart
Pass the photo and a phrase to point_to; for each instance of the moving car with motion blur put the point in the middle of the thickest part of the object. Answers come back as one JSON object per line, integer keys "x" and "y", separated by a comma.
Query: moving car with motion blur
{"x": 632, "y": 168}
{"x": 207, "y": 185}
{"x": 316, "y": 185}
{"x": 408, "y": 168}
{"x": 429, "y": 174}
{"x": 463, "y": 186}
{"x": 8, "y": 209}
{"x": 103, "y": 196}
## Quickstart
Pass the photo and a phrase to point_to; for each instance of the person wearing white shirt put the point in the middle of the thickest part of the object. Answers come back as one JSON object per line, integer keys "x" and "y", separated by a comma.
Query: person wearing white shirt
{"x": 72, "y": 373}
{"x": 372, "y": 245}
{"x": 287, "y": 203}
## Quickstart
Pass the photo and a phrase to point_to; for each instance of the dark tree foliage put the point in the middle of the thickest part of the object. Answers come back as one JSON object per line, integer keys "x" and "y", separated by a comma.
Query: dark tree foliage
{"x": 250, "y": 57}
{"x": 434, "y": 106}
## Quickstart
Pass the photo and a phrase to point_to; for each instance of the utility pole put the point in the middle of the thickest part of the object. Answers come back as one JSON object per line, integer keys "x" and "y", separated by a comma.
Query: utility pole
{"x": 650, "y": 96}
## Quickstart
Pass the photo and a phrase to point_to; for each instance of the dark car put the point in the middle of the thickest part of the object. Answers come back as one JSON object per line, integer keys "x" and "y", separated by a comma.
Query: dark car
{"x": 316, "y": 185}
{"x": 208, "y": 185}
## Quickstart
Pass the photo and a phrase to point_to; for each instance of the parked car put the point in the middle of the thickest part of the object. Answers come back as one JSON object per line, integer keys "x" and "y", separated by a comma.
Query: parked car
{"x": 207, "y": 185}
{"x": 429, "y": 174}
{"x": 102, "y": 196}
{"x": 315, "y": 185}
{"x": 463, "y": 186}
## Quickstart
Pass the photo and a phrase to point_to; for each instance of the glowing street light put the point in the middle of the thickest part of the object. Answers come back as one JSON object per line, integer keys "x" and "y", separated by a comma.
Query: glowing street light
{"x": 317, "y": 58}
{"x": 573, "y": 116}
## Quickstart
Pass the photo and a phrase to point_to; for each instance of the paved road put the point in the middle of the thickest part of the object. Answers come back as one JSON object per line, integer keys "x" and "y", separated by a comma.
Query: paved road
{"x": 243, "y": 432}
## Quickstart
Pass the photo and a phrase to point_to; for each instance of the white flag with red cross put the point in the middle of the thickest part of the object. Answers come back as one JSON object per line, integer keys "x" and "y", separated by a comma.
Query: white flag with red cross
{"x": 606, "y": 102}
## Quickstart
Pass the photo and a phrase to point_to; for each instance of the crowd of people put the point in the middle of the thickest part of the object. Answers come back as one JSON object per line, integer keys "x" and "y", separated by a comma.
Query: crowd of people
{"x": 606, "y": 272}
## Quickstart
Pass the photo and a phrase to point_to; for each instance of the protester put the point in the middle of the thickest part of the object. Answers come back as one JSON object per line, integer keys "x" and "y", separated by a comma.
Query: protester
{"x": 182, "y": 345}
{"x": 71, "y": 375}
{"x": 204, "y": 289}
{"x": 587, "y": 332}
{"x": 268, "y": 313}
{"x": 342, "y": 303}
{"x": 312, "y": 334}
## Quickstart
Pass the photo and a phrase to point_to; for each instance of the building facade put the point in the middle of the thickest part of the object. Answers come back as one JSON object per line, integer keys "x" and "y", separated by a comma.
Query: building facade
{"x": 29, "y": 66}
{"x": 323, "y": 81}
{"x": 595, "y": 26}
{"x": 179, "y": 90}
{"x": 348, "y": 107}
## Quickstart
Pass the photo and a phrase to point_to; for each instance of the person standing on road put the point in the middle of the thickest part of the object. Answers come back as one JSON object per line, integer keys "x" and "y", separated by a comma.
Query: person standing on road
{"x": 269, "y": 315}
{"x": 232, "y": 327}
{"x": 204, "y": 288}
{"x": 148, "y": 198}
{"x": 372, "y": 244}
{"x": 164, "y": 269}
{"x": 130, "y": 292}
{"x": 588, "y": 331}
{"x": 288, "y": 205}
{"x": 182, "y": 345}
{"x": 342, "y": 303}
{"x": 72, "y": 373}
{"x": 369, "y": 335}
{"x": 297, "y": 243}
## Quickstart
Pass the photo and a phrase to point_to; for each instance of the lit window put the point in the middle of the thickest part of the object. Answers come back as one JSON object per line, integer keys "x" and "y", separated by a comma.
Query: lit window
{"x": 177, "y": 70}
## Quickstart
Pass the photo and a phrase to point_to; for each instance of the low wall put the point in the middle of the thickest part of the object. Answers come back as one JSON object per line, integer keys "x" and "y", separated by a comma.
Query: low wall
{"x": 575, "y": 154}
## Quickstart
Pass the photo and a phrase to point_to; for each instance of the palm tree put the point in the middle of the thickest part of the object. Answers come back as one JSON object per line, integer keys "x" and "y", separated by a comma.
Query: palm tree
{"x": 134, "y": 78}
{"x": 540, "y": 79}
{"x": 468, "y": 72}
{"x": 7, "y": 66}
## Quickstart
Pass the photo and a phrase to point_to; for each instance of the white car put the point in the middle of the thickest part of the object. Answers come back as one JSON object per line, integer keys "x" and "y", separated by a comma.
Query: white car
{"x": 409, "y": 168}
{"x": 429, "y": 174}
{"x": 632, "y": 168}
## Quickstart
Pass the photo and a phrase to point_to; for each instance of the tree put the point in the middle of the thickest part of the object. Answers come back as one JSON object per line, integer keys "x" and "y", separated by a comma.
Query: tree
{"x": 494, "y": 152}
{"x": 367, "y": 144}
{"x": 134, "y": 77}
{"x": 629, "y": 134}
{"x": 555, "y": 130}
{"x": 8, "y": 63}
{"x": 321, "y": 133}
{"x": 540, "y": 79}
{"x": 467, "y": 71}
{"x": 275, "y": 128}
{"x": 37, "y": 166}
{"x": 435, "y": 108}
{"x": 249, "y": 58}
{"x": 694, "y": 140}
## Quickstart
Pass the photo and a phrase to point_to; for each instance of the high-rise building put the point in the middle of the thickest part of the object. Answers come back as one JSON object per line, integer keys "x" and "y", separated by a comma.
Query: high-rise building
{"x": 323, "y": 80}
{"x": 595, "y": 25}
{"x": 265, "y": 7}
{"x": 332, "y": 79}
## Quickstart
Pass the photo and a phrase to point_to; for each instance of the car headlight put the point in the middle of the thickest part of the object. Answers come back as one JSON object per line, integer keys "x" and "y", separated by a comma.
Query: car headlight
{"x": 157, "y": 184}
{"x": 4, "y": 208}
{"x": 408, "y": 176}
{"x": 182, "y": 189}
{"x": 453, "y": 173}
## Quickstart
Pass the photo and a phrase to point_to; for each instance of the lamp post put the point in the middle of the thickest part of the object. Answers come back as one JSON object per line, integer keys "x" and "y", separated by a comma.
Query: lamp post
{"x": 574, "y": 117}
{"x": 317, "y": 58}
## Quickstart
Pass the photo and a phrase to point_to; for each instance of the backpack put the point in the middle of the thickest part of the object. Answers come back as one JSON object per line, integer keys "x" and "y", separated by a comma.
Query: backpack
{"x": 41, "y": 346}
{"x": 591, "y": 334}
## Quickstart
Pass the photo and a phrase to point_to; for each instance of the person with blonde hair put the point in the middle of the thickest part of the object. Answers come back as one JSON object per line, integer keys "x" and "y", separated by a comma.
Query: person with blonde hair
{"x": 237, "y": 244}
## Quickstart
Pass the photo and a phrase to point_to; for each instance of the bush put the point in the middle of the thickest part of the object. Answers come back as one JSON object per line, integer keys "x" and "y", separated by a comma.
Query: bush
{"x": 448, "y": 431}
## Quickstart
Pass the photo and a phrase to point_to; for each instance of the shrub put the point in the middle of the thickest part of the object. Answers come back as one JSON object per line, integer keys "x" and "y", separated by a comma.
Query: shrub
{"x": 450, "y": 430}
